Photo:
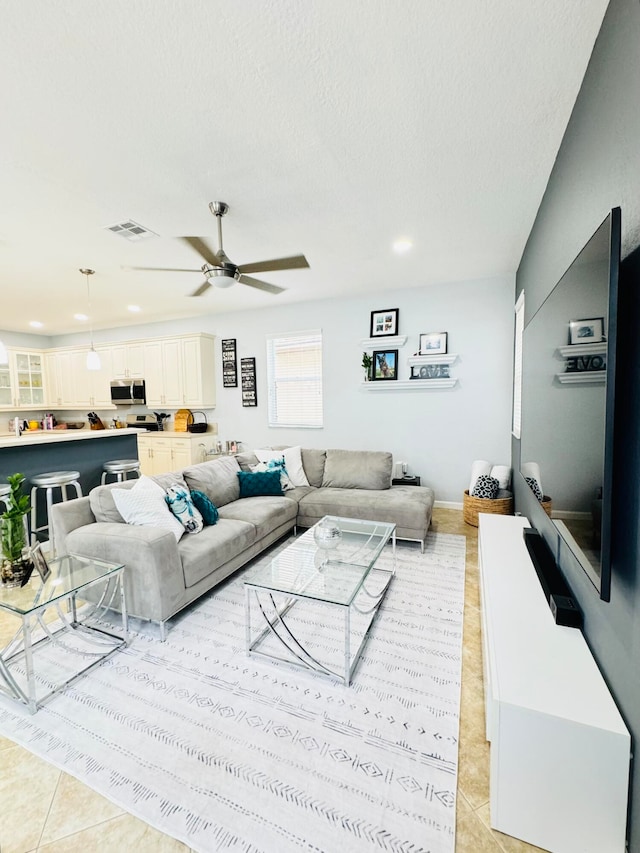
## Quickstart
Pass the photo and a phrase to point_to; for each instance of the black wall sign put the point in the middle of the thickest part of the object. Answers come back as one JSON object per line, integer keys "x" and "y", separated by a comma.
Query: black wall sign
{"x": 248, "y": 374}
{"x": 229, "y": 364}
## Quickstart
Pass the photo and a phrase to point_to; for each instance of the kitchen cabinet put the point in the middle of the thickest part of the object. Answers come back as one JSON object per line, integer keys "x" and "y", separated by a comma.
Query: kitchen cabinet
{"x": 127, "y": 361}
{"x": 180, "y": 371}
{"x": 160, "y": 452}
{"x": 22, "y": 381}
{"x": 71, "y": 385}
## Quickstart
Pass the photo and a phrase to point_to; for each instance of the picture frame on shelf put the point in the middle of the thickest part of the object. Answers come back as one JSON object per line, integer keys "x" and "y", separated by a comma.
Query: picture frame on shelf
{"x": 589, "y": 331}
{"x": 384, "y": 324}
{"x": 385, "y": 365}
{"x": 40, "y": 562}
{"x": 433, "y": 343}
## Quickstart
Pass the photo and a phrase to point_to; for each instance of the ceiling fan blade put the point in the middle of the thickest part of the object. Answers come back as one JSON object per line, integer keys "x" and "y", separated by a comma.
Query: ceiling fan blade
{"x": 162, "y": 269}
{"x": 296, "y": 262}
{"x": 260, "y": 285}
{"x": 203, "y": 250}
{"x": 202, "y": 289}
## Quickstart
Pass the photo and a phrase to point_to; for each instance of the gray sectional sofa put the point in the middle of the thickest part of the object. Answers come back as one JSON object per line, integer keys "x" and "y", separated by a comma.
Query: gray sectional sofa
{"x": 164, "y": 575}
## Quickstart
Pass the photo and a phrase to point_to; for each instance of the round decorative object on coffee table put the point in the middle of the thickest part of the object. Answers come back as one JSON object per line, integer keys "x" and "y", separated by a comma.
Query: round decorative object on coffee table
{"x": 327, "y": 535}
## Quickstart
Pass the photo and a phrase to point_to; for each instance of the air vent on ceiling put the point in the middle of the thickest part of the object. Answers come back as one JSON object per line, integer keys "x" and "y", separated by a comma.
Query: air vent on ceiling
{"x": 131, "y": 230}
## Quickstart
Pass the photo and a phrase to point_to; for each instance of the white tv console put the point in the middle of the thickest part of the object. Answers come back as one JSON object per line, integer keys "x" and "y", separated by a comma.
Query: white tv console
{"x": 560, "y": 751}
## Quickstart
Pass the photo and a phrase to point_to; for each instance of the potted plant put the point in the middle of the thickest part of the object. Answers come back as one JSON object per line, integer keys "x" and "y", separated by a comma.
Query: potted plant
{"x": 367, "y": 361}
{"x": 16, "y": 569}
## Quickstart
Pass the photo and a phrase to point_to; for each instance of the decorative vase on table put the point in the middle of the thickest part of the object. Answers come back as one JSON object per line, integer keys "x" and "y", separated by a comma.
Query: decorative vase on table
{"x": 14, "y": 535}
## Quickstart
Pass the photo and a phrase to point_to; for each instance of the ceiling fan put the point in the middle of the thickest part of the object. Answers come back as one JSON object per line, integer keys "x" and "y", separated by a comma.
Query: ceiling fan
{"x": 219, "y": 271}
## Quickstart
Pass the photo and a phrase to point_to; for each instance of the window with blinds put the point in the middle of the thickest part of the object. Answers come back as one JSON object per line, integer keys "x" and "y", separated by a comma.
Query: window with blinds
{"x": 294, "y": 376}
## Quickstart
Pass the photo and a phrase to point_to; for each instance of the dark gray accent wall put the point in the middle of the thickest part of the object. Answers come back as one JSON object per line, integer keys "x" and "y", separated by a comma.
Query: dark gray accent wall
{"x": 597, "y": 168}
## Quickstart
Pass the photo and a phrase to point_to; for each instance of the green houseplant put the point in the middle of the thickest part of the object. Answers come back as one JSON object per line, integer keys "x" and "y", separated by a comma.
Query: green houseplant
{"x": 367, "y": 361}
{"x": 14, "y": 533}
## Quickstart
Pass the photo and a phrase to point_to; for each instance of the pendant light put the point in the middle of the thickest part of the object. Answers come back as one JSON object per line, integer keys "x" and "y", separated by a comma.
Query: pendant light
{"x": 93, "y": 359}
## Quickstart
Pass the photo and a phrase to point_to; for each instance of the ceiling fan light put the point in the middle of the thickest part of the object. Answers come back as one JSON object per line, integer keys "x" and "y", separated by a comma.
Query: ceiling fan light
{"x": 93, "y": 360}
{"x": 221, "y": 277}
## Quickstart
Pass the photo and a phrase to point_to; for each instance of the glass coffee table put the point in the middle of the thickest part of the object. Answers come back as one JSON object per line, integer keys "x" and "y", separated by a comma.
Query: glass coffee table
{"x": 314, "y": 608}
{"x": 60, "y": 633}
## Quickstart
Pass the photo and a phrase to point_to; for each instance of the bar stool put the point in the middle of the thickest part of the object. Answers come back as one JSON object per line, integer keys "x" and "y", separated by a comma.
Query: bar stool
{"x": 120, "y": 468}
{"x": 50, "y": 481}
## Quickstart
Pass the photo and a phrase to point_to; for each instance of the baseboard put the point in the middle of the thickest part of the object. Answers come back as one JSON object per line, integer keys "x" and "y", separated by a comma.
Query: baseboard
{"x": 448, "y": 504}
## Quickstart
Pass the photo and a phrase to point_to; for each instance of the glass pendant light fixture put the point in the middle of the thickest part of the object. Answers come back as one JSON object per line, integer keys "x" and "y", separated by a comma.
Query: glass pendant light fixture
{"x": 93, "y": 359}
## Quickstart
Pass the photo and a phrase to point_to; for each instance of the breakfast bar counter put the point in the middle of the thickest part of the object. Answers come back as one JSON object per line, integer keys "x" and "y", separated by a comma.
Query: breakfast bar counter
{"x": 82, "y": 450}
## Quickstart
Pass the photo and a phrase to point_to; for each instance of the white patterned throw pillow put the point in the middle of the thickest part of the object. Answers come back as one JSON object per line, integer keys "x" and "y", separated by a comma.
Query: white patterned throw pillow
{"x": 275, "y": 465}
{"x": 292, "y": 462}
{"x": 145, "y": 505}
{"x": 179, "y": 501}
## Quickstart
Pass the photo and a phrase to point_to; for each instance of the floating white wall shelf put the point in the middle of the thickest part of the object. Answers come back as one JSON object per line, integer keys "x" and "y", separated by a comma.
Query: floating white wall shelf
{"x": 408, "y": 385}
{"x": 446, "y": 358}
{"x": 582, "y": 377}
{"x": 384, "y": 343}
{"x": 576, "y": 350}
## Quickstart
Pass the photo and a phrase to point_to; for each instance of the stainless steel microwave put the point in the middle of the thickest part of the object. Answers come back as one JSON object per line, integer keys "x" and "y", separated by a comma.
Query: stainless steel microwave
{"x": 128, "y": 392}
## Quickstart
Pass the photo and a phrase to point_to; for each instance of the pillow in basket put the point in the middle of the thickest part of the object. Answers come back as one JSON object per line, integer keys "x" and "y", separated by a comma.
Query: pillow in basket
{"x": 535, "y": 488}
{"x": 486, "y": 487}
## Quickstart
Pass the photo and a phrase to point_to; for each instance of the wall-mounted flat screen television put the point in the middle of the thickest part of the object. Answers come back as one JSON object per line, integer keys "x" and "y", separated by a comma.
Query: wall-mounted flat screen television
{"x": 568, "y": 393}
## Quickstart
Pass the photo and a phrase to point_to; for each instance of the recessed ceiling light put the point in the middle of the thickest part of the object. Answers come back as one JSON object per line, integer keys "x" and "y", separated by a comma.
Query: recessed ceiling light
{"x": 82, "y": 317}
{"x": 36, "y": 324}
{"x": 402, "y": 246}
{"x": 133, "y": 308}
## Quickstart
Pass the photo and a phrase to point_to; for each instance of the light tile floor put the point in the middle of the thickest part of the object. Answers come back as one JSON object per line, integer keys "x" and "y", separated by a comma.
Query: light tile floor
{"x": 44, "y": 809}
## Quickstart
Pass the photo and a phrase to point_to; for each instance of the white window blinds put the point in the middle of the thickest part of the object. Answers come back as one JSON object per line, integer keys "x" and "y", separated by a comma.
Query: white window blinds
{"x": 294, "y": 375}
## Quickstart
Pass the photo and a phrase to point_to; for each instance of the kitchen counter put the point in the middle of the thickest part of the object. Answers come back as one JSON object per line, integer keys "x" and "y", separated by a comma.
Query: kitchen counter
{"x": 50, "y": 436}
{"x": 83, "y": 450}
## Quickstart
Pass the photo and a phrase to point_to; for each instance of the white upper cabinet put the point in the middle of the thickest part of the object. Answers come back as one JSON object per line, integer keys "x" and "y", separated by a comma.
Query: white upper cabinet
{"x": 128, "y": 361}
{"x": 22, "y": 380}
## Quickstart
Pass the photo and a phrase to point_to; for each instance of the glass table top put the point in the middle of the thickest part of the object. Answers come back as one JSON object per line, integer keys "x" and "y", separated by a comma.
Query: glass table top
{"x": 68, "y": 574}
{"x": 334, "y": 576}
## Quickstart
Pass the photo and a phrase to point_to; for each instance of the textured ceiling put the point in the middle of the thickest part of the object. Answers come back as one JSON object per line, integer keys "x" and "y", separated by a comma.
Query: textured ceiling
{"x": 330, "y": 129}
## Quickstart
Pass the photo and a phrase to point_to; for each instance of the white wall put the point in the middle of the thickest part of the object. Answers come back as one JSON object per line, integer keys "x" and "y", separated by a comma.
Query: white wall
{"x": 438, "y": 433}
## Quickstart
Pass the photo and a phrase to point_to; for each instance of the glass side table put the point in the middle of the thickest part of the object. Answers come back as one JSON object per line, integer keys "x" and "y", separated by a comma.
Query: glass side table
{"x": 61, "y": 630}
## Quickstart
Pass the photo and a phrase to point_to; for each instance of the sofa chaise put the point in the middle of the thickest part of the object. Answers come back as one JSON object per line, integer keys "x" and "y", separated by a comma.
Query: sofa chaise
{"x": 164, "y": 575}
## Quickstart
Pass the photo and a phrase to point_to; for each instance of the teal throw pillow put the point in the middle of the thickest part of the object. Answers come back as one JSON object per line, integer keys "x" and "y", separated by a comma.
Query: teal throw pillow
{"x": 207, "y": 509}
{"x": 259, "y": 483}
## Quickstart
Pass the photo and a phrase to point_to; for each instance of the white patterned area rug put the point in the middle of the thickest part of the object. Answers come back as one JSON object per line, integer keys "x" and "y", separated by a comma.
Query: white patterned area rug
{"x": 229, "y": 753}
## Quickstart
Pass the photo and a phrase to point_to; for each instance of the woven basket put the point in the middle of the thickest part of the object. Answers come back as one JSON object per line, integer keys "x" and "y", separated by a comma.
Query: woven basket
{"x": 472, "y": 506}
{"x": 200, "y": 426}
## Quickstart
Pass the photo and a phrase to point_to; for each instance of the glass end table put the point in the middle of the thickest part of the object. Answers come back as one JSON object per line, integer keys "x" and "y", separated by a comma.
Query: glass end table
{"x": 52, "y": 631}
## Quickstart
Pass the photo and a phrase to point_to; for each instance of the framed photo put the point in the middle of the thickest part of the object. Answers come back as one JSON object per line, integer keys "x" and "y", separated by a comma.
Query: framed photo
{"x": 384, "y": 324}
{"x": 385, "y": 364}
{"x": 586, "y": 331}
{"x": 40, "y": 562}
{"x": 433, "y": 343}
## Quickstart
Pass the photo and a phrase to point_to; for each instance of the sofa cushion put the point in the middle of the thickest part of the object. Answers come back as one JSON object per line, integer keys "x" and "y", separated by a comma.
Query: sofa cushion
{"x": 266, "y": 513}
{"x": 253, "y": 483}
{"x": 292, "y": 461}
{"x": 313, "y": 463}
{"x": 357, "y": 469}
{"x": 145, "y": 505}
{"x": 218, "y": 480}
{"x": 179, "y": 501}
{"x": 246, "y": 460}
{"x": 203, "y": 554}
{"x": 207, "y": 510}
{"x": 409, "y": 507}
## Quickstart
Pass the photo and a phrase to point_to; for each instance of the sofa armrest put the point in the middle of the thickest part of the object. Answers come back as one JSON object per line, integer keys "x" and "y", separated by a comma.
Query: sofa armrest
{"x": 153, "y": 577}
{"x": 67, "y": 516}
